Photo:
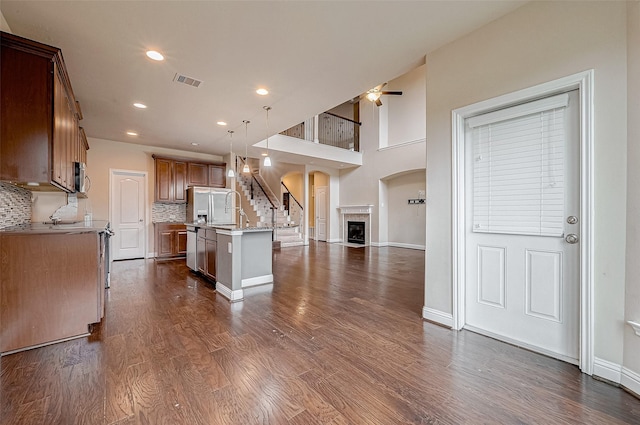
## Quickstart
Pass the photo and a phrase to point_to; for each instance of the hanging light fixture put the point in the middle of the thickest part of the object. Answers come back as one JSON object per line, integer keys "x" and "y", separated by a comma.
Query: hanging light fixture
{"x": 267, "y": 160}
{"x": 246, "y": 169}
{"x": 231, "y": 174}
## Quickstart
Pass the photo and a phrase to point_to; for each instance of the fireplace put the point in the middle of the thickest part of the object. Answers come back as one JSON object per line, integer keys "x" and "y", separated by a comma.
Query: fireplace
{"x": 356, "y": 232}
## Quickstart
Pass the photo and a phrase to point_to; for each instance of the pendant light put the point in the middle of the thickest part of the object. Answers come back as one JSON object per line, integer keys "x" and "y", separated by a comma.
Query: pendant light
{"x": 246, "y": 169}
{"x": 267, "y": 160}
{"x": 231, "y": 174}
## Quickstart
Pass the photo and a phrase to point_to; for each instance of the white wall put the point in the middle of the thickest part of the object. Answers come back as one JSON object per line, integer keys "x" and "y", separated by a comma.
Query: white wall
{"x": 106, "y": 154}
{"x": 632, "y": 306}
{"x": 4, "y": 26}
{"x": 536, "y": 43}
{"x": 406, "y": 113}
{"x": 406, "y": 222}
{"x": 362, "y": 185}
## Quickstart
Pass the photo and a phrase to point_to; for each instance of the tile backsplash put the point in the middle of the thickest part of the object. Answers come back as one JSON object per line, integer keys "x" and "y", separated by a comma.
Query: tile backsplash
{"x": 15, "y": 205}
{"x": 168, "y": 212}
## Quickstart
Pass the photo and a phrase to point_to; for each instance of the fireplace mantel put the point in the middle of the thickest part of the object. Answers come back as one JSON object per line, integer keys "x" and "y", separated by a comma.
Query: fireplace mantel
{"x": 356, "y": 212}
{"x": 355, "y": 209}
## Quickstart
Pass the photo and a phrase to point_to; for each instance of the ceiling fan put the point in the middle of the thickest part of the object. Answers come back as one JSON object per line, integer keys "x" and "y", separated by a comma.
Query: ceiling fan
{"x": 374, "y": 94}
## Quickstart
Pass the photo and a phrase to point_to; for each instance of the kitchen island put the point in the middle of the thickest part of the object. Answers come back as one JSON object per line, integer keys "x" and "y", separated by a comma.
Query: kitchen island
{"x": 235, "y": 258}
{"x": 52, "y": 282}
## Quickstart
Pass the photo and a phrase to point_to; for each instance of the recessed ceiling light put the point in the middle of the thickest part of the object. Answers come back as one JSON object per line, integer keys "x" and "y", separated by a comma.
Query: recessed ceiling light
{"x": 140, "y": 105}
{"x": 264, "y": 154}
{"x": 262, "y": 92}
{"x": 221, "y": 123}
{"x": 156, "y": 56}
{"x": 195, "y": 144}
{"x": 132, "y": 133}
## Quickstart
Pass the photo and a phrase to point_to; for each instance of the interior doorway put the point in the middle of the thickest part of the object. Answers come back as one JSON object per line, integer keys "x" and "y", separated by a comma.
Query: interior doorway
{"x": 127, "y": 194}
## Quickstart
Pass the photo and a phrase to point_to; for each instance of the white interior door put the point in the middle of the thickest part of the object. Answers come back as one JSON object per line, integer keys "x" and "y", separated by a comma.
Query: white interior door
{"x": 128, "y": 194}
{"x": 321, "y": 213}
{"x": 522, "y": 208}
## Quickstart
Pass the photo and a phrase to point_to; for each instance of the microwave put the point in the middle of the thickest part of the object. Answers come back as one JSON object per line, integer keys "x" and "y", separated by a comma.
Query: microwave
{"x": 82, "y": 182}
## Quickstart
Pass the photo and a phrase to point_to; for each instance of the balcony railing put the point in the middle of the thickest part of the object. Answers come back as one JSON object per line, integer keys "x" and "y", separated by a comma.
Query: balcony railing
{"x": 328, "y": 129}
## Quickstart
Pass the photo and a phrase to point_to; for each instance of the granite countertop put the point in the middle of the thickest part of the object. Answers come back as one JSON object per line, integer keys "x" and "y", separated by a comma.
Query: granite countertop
{"x": 96, "y": 226}
{"x": 231, "y": 227}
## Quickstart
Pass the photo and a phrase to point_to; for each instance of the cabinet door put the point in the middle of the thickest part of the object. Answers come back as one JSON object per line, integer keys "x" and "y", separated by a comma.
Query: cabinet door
{"x": 210, "y": 247}
{"x": 180, "y": 239}
{"x": 180, "y": 181}
{"x": 197, "y": 174}
{"x": 58, "y": 148}
{"x": 165, "y": 242}
{"x": 201, "y": 255}
{"x": 164, "y": 186}
{"x": 217, "y": 176}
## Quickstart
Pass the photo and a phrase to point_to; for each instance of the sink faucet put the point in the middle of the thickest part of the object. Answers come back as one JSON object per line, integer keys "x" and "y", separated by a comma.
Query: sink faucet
{"x": 227, "y": 206}
{"x": 54, "y": 220}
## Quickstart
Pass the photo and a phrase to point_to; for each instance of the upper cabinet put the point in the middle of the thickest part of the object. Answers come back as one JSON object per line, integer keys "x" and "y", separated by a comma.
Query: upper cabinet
{"x": 40, "y": 138}
{"x": 174, "y": 176}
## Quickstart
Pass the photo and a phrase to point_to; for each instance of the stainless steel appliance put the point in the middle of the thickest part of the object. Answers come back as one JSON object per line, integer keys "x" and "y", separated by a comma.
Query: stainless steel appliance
{"x": 192, "y": 238}
{"x": 207, "y": 205}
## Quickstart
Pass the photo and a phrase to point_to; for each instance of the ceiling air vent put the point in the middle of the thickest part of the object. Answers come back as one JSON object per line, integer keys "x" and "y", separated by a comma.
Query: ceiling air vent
{"x": 179, "y": 78}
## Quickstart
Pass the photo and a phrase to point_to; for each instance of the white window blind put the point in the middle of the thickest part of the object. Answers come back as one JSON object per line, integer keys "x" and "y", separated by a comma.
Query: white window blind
{"x": 518, "y": 169}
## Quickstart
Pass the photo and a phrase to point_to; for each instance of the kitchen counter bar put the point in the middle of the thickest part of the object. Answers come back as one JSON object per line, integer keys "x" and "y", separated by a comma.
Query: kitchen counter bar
{"x": 243, "y": 257}
{"x": 96, "y": 226}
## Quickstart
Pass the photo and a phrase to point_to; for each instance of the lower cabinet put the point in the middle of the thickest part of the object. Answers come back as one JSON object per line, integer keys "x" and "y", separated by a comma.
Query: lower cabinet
{"x": 50, "y": 287}
{"x": 206, "y": 252}
{"x": 171, "y": 240}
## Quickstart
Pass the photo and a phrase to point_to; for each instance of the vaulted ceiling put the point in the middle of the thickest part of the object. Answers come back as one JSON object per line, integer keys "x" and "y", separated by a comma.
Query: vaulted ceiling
{"x": 310, "y": 55}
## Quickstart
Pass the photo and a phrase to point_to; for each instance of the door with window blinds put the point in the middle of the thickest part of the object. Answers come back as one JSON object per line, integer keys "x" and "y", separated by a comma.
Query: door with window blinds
{"x": 521, "y": 185}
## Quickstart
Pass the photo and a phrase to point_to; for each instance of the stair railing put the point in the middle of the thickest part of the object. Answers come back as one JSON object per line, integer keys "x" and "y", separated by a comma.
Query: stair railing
{"x": 268, "y": 193}
{"x": 295, "y": 208}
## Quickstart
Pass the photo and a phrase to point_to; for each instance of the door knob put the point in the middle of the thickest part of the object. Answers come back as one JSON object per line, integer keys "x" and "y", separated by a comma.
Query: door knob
{"x": 571, "y": 238}
{"x": 572, "y": 219}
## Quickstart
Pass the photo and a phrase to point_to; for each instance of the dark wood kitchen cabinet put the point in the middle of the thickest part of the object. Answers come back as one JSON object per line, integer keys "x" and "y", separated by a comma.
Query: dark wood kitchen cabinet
{"x": 39, "y": 137}
{"x": 51, "y": 287}
{"x": 207, "y": 245}
{"x": 171, "y": 240}
{"x": 171, "y": 180}
{"x": 174, "y": 176}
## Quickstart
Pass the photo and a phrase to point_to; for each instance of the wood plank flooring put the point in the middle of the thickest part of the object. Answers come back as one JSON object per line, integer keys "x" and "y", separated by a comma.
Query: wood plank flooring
{"x": 339, "y": 340}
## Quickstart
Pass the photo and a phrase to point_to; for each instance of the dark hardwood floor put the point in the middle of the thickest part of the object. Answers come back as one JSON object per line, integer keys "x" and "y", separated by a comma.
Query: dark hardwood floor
{"x": 339, "y": 340}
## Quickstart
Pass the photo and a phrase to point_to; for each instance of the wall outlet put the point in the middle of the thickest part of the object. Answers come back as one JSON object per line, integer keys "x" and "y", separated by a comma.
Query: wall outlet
{"x": 421, "y": 194}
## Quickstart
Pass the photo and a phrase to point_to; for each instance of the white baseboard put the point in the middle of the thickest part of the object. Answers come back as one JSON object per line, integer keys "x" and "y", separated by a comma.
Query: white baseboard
{"x": 631, "y": 380}
{"x": 440, "y": 317}
{"x": 233, "y": 296}
{"x": 379, "y": 244}
{"x": 406, "y": 245}
{"x": 607, "y": 370}
{"x": 334, "y": 240}
{"x": 617, "y": 374}
{"x": 258, "y": 280}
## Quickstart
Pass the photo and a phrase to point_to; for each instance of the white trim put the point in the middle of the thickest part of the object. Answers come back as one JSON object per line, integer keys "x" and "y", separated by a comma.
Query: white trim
{"x": 379, "y": 244}
{"x": 334, "y": 240}
{"x": 437, "y": 316}
{"x": 403, "y": 144}
{"x": 258, "y": 280}
{"x": 608, "y": 370}
{"x": 582, "y": 81}
{"x": 233, "y": 296}
{"x": 631, "y": 381}
{"x": 635, "y": 326}
{"x": 406, "y": 245}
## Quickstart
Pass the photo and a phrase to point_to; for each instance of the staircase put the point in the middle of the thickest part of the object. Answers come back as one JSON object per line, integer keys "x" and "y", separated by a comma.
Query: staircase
{"x": 286, "y": 232}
